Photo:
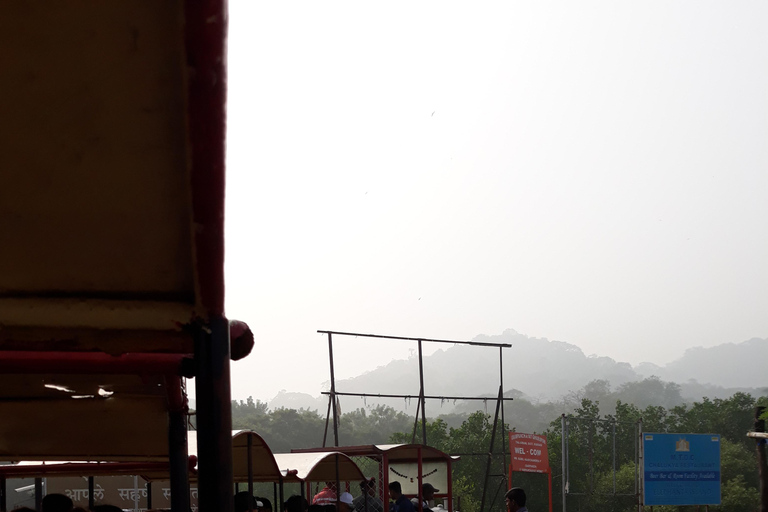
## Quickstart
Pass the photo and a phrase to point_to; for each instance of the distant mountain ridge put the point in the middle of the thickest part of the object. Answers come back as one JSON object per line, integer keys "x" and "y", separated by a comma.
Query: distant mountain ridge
{"x": 544, "y": 370}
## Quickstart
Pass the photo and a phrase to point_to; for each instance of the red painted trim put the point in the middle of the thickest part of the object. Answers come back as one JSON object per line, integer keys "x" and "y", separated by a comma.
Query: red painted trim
{"x": 90, "y": 363}
{"x": 385, "y": 480}
{"x": 450, "y": 486}
{"x": 177, "y": 399}
{"x": 420, "y": 479}
{"x": 83, "y": 469}
{"x": 205, "y": 40}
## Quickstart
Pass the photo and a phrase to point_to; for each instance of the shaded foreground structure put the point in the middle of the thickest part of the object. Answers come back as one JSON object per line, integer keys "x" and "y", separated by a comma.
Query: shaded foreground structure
{"x": 253, "y": 461}
{"x": 111, "y": 273}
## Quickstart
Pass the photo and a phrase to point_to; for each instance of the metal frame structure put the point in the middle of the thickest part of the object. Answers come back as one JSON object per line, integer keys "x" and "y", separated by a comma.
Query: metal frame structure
{"x": 500, "y": 399}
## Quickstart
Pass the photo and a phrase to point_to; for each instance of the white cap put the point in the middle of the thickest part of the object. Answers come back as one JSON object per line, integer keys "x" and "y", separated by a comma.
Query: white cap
{"x": 346, "y": 498}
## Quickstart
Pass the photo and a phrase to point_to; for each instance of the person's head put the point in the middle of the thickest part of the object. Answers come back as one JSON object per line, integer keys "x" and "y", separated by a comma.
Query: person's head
{"x": 296, "y": 504}
{"x": 266, "y": 505}
{"x": 57, "y": 503}
{"x": 428, "y": 491}
{"x": 395, "y": 490}
{"x": 368, "y": 486}
{"x": 515, "y": 499}
{"x": 345, "y": 502}
{"x": 244, "y": 501}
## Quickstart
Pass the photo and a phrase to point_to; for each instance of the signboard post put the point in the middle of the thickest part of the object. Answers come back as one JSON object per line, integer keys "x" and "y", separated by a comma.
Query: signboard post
{"x": 681, "y": 469}
{"x": 529, "y": 455}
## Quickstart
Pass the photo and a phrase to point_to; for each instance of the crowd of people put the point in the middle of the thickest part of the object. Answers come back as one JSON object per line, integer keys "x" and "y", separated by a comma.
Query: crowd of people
{"x": 327, "y": 500}
{"x": 55, "y": 502}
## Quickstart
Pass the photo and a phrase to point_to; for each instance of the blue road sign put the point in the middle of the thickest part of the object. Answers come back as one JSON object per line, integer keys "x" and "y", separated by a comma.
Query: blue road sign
{"x": 681, "y": 469}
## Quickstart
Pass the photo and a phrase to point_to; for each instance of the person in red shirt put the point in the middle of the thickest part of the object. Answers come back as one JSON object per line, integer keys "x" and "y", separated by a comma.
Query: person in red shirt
{"x": 326, "y": 496}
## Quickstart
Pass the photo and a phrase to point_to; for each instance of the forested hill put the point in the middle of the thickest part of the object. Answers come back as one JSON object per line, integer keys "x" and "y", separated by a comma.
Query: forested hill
{"x": 598, "y": 460}
{"x": 544, "y": 370}
{"x": 548, "y": 370}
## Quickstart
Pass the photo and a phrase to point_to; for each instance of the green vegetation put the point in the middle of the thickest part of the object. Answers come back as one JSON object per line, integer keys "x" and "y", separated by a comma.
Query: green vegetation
{"x": 591, "y": 445}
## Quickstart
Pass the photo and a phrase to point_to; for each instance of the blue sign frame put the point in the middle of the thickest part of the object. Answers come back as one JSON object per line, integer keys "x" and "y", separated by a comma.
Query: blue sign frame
{"x": 681, "y": 469}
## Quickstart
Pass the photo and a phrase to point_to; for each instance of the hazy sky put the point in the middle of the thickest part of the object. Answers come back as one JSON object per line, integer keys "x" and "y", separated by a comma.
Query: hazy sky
{"x": 590, "y": 172}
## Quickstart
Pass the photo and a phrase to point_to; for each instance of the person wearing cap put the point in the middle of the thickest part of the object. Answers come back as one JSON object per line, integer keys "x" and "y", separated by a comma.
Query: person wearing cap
{"x": 264, "y": 504}
{"x": 401, "y": 503}
{"x": 368, "y": 501}
{"x": 515, "y": 499}
{"x": 427, "y": 494}
{"x": 345, "y": 502}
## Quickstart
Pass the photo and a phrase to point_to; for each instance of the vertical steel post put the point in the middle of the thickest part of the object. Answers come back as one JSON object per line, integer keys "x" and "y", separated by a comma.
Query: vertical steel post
{"x": 416, "y": 419}
{"x": 149, "y": 495}
{"x": 613, "y": 432}
{"x": 504, "y": 466}
{"x": 178, "y": 459}
{"x": 420, "y": 478}
{"x": 450, "y": 485}
{"x": 3, "y": 495}
{"x": 91, "y": 500}
{"x": 338, "y": 483}
{"x": 638, "y": 461}
{"x": 762, "y": 462}
{"x": 385, "y": 480}
{"x": 549, "y": 486}
{"x": 327, "y": 419}
{"x": 276, "y": 503}
{"x": 490, "y": 450}
{"x": 333, "y": 393}
{"x": 590, "y": 448}
{"x": 563, "y": 455}
{"x": 38, "y": 494}
{"x": 423, "y": 399}
{"x": 250, "y": 472}
{"x": 214, "y": 416}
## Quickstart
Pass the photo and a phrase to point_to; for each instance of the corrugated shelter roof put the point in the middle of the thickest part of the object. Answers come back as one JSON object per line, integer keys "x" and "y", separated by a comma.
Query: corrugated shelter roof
{"x": 318, "y": 467}
{"x": 394, "y": 452}
{"x": 150, "y": 471}
{"x": 263, "y": 463}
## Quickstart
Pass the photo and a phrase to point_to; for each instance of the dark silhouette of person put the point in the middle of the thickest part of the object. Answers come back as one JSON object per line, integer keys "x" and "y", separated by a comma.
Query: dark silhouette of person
{"x": 244, "y": 501}
{"x": 57, "y": 503}
{"x": 515, "y": 499}
{"x": 296, "y": 504}
{"x": 368, "y": 501}
{"x": 401, "y": 503}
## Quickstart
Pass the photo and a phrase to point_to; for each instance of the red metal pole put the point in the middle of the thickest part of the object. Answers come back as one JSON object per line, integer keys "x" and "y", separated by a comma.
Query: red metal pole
{"x": 549, "y": 478}
{"x": 450, "y": 485}
{"x": 385, "y": 480}
{"x": 420, "y": 480}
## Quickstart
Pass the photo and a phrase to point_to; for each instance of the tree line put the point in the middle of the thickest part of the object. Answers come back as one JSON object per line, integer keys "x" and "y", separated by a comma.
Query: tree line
{"x": 601, "y": 443}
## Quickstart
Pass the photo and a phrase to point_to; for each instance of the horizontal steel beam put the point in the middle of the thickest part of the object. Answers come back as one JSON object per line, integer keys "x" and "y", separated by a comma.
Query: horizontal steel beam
{"x": 474, "y": 343}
